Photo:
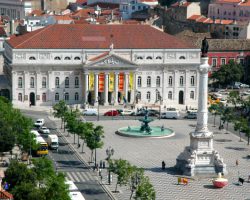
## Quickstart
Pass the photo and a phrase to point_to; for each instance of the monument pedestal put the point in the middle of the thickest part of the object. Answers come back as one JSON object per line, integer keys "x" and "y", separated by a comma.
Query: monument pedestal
{"x": 200, "y": 158}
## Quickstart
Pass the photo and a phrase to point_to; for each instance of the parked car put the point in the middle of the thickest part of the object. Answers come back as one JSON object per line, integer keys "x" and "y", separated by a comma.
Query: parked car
{"x": 39, "y": 123}
{"x": 170, "y": 115}
{"x": 191, "y": 115}
{"x": 44, "y": 130}
{"x": 126, "y": 112}
{"x": 244, "y": 85}
{"x": 90, "y": 112}
{"x": 111, "y": 113}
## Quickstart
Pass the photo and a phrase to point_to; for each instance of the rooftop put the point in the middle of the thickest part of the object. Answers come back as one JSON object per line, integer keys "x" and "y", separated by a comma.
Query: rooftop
{"x": 88, "y": 36}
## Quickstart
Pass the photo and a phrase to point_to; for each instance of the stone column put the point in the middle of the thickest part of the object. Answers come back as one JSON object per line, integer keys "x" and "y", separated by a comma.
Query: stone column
{"x": 202, "y": 114}
{"x": 106, "y": 89}
{"x": 51, "y": 84}
{"x": 86, "y": 87}
{"x": 116, "y": 89}
{"x": 132, "y": 92}
{"x": 176, "y": 85}
{"x": 187, "y": 92}
{"x": 126, "y": 85}
{"x": 164, "y": 86}
{"x": 15, "y": 86}
{"x": 96, "y": 88}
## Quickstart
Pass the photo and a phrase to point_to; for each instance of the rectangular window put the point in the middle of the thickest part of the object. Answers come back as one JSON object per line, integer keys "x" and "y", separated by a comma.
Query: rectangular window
{"x": 223, "y": 61}
{"x": 214, "y": 62}
{"x": 44, "y": 82}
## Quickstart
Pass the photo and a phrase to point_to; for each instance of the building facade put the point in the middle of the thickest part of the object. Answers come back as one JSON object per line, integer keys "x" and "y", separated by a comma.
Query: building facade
{"x": 90, "y": 63}
{"x": 14, "y": 9}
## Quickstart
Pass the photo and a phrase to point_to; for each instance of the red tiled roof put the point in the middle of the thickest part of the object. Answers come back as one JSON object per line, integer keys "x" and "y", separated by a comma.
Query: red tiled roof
{"x": 81, "y": 2}
{"x": 62, "y": 17}
{"x": 105, "y": 5}
{"x": 36, "y": 13}
{"x": 178, "y": 4}
{"x": 194, "y": 17}
{"x": 202, "y": 19}
{"x": 5, "y": 195}
{"x": 80, "y": 36}
{"x": 99, "y": 56}
{"x": 228, "y": 1}
{"x": 131, "y": 22}
{"x": 83, "y": 12}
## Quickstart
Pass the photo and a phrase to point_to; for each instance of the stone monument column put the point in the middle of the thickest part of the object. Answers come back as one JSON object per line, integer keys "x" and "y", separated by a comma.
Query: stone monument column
{"x": 200, "y": 157}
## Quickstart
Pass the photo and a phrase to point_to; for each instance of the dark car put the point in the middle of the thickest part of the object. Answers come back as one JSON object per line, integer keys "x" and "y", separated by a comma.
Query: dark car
{"x": 111, "y": 113}
{"x": 191, "y": 115}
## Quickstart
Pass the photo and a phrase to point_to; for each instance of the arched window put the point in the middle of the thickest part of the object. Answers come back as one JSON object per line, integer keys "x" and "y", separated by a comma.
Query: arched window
{"x": 148, "y": 96}
{"x": 182, "y": 58}
{"x": 139, "y": 58}
{"x": 139, "y": 81}
{"x": 67, "y": 82}
{"x": 66, "y": 96}
{"x": 32, "y": 58}
{"x": 149, "y": 58}
{"x": 44, "y": 82}
{"x": 56, "y": 97}
{"x": 170, "y": 80}
{"x": 76, "y": 96}
{"x": 77, "y": 58}
{"x": 192, "y": 80}
{"x": 76, "y": 82}
{"x": 57, "y": 58}
{"x": 67, "y": 58}
{"x": 44, "y": 97}
{"x": 20, "y": 97}
{"x": 57, "y": 82}
{"x": 20, "y": 82}
{"x": 170, "y": 95}
{"x": 158, "y": 58}
{"x": 192, "y": 95}
{"x": 158, "y": 81}
{"x": 148, "y": 81}
{"x": 181, "y": 80}
{"x": 32, "y": 82}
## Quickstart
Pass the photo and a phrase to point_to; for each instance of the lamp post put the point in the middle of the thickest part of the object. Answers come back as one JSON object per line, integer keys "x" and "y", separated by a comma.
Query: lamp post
{"x": 110, "y": 152}
{"x": 98, "y": 108}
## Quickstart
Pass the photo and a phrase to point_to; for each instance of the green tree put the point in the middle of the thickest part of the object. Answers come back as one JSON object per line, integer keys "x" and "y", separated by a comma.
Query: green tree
{"x": 17, "y": 173}
{"x": 122, "y": 168}
{"x": 56, "y": 188}
{"x": 136, "y": 175}
{"x": 227, "y": 116}
{"x": 93, "y": 137}
{"x": 60, "y": 110}
{"x": 228, "y": 74}
{"x": 239, "y": 125}
{"x": 145, "y": 190}
{"x": 234, "y": 98}
{"x": 215, "y": 109}
{"x": 28, "y": 191}
{"x": 43, "y": 168}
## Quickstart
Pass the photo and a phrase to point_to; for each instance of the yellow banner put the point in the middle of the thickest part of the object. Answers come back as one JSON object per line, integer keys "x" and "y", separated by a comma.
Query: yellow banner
{"x": 111, "y": 81}
{"x": 131, "y": 81}
{"x": 91, "y": 81}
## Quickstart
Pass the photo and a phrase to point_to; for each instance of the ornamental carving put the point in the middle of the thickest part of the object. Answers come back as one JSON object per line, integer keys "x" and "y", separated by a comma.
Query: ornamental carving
{"x": 20, "y": 56}
{"x": 171, "y": 55}
{"x": 44, "y": 56}
{"x": 193, "y": 55}
{"x": 111, "y": 61}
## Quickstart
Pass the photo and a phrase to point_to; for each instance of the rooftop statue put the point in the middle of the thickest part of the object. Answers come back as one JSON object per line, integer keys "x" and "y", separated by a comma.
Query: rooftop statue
{"x": 204, "y": 47}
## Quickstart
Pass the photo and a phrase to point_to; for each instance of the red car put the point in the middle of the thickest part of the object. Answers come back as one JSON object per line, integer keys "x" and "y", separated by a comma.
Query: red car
{"x": 111, "y": 113}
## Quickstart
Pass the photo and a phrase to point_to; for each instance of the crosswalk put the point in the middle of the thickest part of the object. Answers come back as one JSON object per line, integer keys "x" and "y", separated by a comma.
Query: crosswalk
{"x": 79, "y": 176}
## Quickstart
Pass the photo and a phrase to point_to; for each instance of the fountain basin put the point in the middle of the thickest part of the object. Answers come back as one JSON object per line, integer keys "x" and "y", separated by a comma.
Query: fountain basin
{"x": 135, "y": 131}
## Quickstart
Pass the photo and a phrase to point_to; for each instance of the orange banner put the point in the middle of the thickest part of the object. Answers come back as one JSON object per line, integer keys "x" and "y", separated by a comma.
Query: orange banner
{"x": 101, "y": 82}
{"x": 121, "y": 82}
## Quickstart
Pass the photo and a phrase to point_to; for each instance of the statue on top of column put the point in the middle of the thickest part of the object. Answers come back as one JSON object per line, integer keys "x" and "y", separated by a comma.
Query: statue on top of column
{"x": 204, "y": 47}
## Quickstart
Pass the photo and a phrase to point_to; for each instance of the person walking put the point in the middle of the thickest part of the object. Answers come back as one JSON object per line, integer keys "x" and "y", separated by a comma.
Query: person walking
{"x": 163, "y": 165}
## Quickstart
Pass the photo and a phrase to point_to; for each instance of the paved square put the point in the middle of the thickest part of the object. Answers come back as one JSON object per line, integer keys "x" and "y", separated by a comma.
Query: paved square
{"x": 149, "y": 153}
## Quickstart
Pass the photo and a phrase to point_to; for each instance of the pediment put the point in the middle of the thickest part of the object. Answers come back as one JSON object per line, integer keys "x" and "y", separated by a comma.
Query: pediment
{"x": 109, "y": 60}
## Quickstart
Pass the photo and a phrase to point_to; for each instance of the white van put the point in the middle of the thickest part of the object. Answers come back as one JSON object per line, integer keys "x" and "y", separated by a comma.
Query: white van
{"x": 90, "y": 112}
{"x": 39, "y": 122}
{"x": 53, "y": 141}
{"x": 170, "y": 114}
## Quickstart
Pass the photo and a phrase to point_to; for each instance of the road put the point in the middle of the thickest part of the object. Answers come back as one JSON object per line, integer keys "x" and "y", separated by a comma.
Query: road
{"x": 67, "y": 161}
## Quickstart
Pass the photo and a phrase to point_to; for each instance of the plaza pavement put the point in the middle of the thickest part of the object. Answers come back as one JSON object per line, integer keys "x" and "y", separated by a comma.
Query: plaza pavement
{"x": 149, "y": 153}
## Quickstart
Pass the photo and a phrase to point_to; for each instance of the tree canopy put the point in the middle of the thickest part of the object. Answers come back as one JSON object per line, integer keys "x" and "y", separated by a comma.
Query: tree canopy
{"x": 228, "y": 74}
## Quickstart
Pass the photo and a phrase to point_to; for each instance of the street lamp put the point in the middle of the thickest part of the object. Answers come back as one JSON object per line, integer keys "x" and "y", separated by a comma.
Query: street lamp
{"x": 110, "y": 152}
{"x": 98, "y": 108}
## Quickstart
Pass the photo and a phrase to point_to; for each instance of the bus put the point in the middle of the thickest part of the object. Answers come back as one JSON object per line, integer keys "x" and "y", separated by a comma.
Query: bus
{"x": 42, "y": 144}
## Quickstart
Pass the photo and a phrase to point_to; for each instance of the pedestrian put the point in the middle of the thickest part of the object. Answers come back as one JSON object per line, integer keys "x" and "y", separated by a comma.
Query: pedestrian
{"x": 30, "y": 103}
{"x": 97, "y": 167}
{"x": 163, "y": 165}
{"x": 100, "y": 172}
{"x": 101, "y": 164}
{"x": 237, "y": 163}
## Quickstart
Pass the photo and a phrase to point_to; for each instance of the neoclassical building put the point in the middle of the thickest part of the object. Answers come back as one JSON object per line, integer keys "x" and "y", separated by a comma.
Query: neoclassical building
{"x": 137, "y": 64}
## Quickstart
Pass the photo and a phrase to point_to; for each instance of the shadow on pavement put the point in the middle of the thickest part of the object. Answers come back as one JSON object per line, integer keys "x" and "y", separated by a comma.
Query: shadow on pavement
{"x": 237, "y": 148}
{"x": 168, "y": 170}
{"x": 69, "y": 162}
{"x": 210, "y": 187}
